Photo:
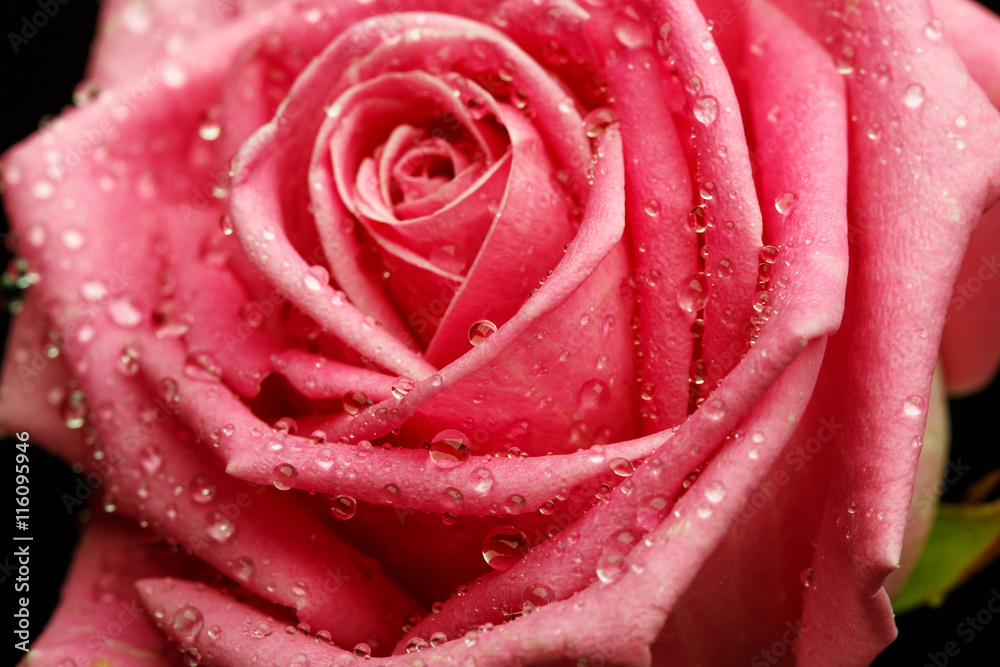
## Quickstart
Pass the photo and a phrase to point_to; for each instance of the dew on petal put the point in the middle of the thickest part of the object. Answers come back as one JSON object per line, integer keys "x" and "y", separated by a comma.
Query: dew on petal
{"x": 594, "y": 394}
{"x": 693, "y": 293}
{"x": 480, "y": 331}
{"x": 344, "y": 507}
{"x": 284, "y": 476}
{"x": 504, "y": 547}
{"x": 706, "y": 109}
{"x": 450, "y": 448}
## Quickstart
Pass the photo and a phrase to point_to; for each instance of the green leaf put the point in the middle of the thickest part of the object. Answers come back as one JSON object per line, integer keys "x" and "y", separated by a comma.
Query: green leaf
{"x": 963, "y": 540}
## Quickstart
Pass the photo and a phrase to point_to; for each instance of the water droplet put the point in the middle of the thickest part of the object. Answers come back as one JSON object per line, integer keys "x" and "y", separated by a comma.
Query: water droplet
{"x": 610, "y": 567}
{"x": 652, "y": 208}
{"x": 220, "y": 528}
{"x": 482, "y": 480}
{"x": 124, "y": 313}
{"x": 594, "y": 394}
{"x": 72, "y": 239}
{"x": 696, "y": 219}
{"x": 961, "y": 120}
{"x": 622, "y": 467}
{"x": 362, "y": 650}
{"x": 707, "y": 190}
{"x": 724, "y": 268}
{"x": 914, "y": 95}
{"x": 415, "y": 644}
{"x": 284, "y": 476}
{"x": 74, "y": 409}
{"x": 706, "y": 109}
{"x": 214, "y": 632}
{"x": 504, "y": 546}
{"x": 844, "y": 59}
{"x": 714, "y": 408}
{"x": 934, "y": 29}
{"x": 187, "y": 623}
{"x": 243, "y": 568}
{"x": 693, "y": 293}
{"x": 913, "y": 406}
{"x": 150, "y": 460}
{"x": 401, "y": 386}
{"x": 784, "y": 202}
{"x": 918, "y": 441}
{"x": 514, "y": 504}
{"x": 805, "y": 576}
{"x": 647, "y": 391}
{"x": 715, "y": 492}
{"x": 450, "y": 448}
{"x": 768, "y": 254}
{"x": 202, "y": 367}
{"x": 355, "y": 403}
{"x": 262, "y": 629}
{"x": 316, "y": 278}
{"x": 597, "y": 120}
{"x": 480, "y": 331}
{"x": 202, "y": 491}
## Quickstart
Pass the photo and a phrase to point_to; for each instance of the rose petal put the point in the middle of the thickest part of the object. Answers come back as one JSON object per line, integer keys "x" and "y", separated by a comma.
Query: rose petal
{"x": 721, "y": 160}
{"x": 99, "y": 617}
{"x": 665, "y": 247}
{"x": 847, "y": 617}
{"x": 33, "y": 388}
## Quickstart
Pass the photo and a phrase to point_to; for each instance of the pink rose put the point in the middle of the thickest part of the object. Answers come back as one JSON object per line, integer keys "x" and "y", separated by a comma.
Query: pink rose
{"x": 522, "y": 332}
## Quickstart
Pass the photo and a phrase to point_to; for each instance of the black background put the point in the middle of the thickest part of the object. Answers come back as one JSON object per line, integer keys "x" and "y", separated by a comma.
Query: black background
{"x": 38, "y": 81}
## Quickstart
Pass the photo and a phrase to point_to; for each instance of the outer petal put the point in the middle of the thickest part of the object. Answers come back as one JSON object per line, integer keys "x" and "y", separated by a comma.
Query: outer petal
{"x": 912, "y": 174}
{"x": 970, "y": 346}
{"x": 35, "y": 386}
{"x": 99, "y": 618}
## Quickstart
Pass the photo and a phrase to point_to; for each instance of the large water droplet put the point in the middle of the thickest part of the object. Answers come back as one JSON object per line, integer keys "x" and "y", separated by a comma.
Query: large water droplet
{"x": 355, "y": 403}
{"x": 187, "y": 623}
{"x": 284, "y": 476}
{"x": 715, "y": 492}
{"x": 714, "y": 408}
{"x": 344, "y": 507}
{"x": 480, "y": 331}
{"x": 401, "y": 386}
{"x": 693, "y": 293}
{"x": 594, "y": 394}
{"x": 316, "y": 278}
{"x": 362, "y": 650}
{"x": 652, "y": 208}
{"x": 622, "y": 467}
{"x": 610, "y": 566}
{"x": 597, "y": 120}
{"x": 482, "y": 480}
{"x": 220, "y": 528}
{"x": 783, "y": 203}
{"x": 913, "y": 96}
{"x": 262, "y": 629}
{"x": 696, "y": 219}
{"x": 706, "y": 109}
{"x": 202, "y": 490}
{"x": 450, "y": 448}
{"x": 74, "y": 409}
{"x": 504, "y": 546}
{"x": 243, "y": 568}
{"x": 123, "y": 313}
{"x": 913, "y": 406}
